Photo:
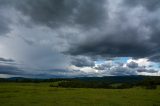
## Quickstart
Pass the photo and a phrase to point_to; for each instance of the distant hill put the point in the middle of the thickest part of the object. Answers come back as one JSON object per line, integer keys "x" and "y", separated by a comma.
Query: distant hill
{"x": 114, "y": 79}
{"x": 109, "y": 79}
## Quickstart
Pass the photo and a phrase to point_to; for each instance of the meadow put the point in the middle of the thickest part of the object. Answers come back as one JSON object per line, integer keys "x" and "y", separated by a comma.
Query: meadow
{"x": 41, "y": 94}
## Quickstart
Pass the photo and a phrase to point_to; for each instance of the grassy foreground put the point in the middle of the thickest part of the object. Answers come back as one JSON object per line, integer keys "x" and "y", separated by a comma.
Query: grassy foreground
{"x": 41, "y": 94}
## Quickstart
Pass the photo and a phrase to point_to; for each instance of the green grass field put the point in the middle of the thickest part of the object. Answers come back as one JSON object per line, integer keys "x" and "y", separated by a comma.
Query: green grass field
{"x": 41, "y": 94}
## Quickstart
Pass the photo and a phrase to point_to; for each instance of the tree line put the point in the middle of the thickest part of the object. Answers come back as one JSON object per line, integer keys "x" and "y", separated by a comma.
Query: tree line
{"x": 118, "y": 82}
{"x": 147, "y": 83}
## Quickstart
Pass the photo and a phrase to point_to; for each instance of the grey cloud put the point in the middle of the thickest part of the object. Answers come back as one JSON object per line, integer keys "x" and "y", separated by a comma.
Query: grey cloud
{"x": 154, "y": 58}
{"x": 4, "y": 25}
{"x": 128, "y": 34}
{"x": 121, "y": 71}
{"x": 94, "y": 29}
{"x": 4, "y": 21}
{"x": 8, "y": 66}
{"x": 106, "y": 66}
{"x": 112, "y": 38}
{"x": 148, "y": 4}
{"x": 6, "y": 60}
{"x": 115, "y": 69}
{"x": 115, "y": 45}
{"x": 55, "y": 13}
{"x": 11, "y": 70}
{"x": 132, "y": 65}
{"x": 49, "y": 73}
{"x": 118, "y": 70}
{"x": 147, "y": 70}
{"x": 82, "y": 61}
{"x": 49, "y": 12}
{"x": 94, "y": 13}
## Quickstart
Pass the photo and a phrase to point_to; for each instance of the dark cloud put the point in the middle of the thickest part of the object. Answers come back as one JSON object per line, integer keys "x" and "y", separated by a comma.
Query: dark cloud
{"x": 81, "y": 61}
{"x": 133, "y": 33}
{"x": 11, "y": 70}
{"x": 147, "y": 70}
{"x": 106, "y": 66}
{"x": 94, "y": 13}
{"x": 49, "y": 12}
{"x": 132, "y": 65}
{"x": 116, "y": 35}
{"x": 6, "y": 60}
{"x": 4, "y": 21}
{"x": 4, "y": 25}
{"x": 4, "y": 3}
{"x": 115, "y": 69}
{"x": 49, "y": 73}
{"x": 55, "y": 13}
{"x": 115, "y": 45}
{"x": 148, "y": 4}
{"x": 78, "y": 32}
{"x": 122, "y": 71}
{"x": 155, "y": 58}
{"x": 7, "y": 66}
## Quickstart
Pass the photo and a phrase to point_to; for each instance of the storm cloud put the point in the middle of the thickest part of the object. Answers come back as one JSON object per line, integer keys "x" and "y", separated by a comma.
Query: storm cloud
{"x": 56, "y": 13}
{"x": 6, "y": 60}
{"x": 4, "y": 28}
{"x": 132, "y": 65}
{"x": 61, "y": 37}
{"x": 81, "y": 61}
{"x": 151, "y": 5}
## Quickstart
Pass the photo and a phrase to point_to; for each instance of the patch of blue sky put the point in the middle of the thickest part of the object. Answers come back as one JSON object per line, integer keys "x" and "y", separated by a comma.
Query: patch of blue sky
{"x": 121, "y": 59}
{"x": 115, "y": 60}
{"x": 155, "y": 66}
{"x": 100, "y": 62}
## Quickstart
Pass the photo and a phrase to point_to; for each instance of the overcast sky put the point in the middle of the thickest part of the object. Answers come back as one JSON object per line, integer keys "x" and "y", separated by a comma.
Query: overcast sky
{"x": 76, "y": 38}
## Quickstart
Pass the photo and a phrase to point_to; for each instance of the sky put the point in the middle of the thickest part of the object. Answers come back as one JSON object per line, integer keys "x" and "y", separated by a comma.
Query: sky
{"x": 79, "y": 38}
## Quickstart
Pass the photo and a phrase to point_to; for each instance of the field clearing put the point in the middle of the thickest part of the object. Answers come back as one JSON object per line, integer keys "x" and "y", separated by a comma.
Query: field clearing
{"x": 41, "y": 94}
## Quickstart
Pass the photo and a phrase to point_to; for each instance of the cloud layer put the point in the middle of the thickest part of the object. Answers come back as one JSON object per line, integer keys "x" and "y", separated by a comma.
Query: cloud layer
{"x": 68, "y": 37}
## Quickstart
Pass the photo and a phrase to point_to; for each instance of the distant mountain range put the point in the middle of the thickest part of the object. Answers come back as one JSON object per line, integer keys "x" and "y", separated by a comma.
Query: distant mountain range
{"x": 110, "y": 79}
